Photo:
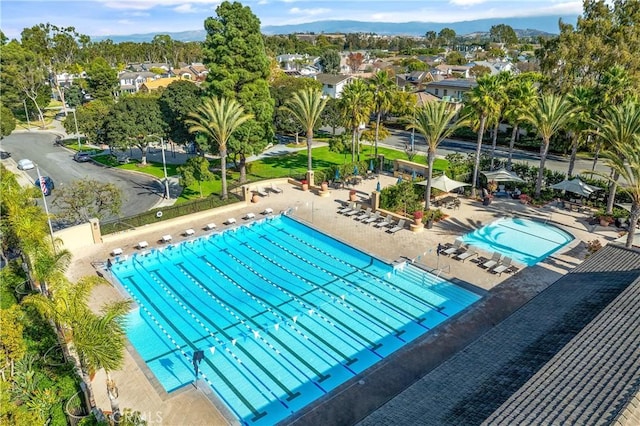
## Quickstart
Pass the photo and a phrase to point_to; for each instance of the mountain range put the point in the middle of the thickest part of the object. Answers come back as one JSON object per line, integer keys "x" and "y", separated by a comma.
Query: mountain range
{"x": 532, "y": 26}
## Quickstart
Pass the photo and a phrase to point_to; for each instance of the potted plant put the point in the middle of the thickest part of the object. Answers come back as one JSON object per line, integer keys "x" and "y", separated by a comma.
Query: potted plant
{"x": 492, "y": 186}
{"x": 352, "y": 195}
{"x": 525, "y": 199}
{"x": 324, "y": 186}
{"x": 605, "y": 220}
{"x": 305, "y": 184}
{"x": 417, "y": 217}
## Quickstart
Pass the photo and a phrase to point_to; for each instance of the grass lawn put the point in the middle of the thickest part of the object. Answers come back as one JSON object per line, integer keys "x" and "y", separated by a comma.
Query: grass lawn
{"x": 294, "y": 164}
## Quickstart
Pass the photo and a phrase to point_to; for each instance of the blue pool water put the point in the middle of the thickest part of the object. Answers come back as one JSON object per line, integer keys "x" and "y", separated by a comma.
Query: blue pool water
{"x": 283, "y": 313}
{"x": 524, "y": 240}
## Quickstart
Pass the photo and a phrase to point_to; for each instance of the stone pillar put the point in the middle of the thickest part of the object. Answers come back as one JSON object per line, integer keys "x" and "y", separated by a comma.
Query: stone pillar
{"x": 310, "y": 178}
{"x": 375, "y": 201}
{"x": 95, "y": 230}
{"x": 246, "y": 194}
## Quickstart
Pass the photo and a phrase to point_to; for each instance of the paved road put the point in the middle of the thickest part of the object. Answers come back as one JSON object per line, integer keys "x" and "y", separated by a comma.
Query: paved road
{"x": 140, "y": 192}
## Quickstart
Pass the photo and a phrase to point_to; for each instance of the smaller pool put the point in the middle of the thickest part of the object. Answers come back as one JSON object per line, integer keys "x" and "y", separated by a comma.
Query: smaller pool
{"x": 523, "y": 240}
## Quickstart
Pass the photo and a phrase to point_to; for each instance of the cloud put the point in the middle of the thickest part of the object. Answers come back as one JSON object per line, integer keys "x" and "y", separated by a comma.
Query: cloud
{"x": 309, "y": 12}
{"x": 262, "y": 2}
{"x": 185, "y": 8}
{"x": 151, "y": 4}
{"x": 464, "y": 3}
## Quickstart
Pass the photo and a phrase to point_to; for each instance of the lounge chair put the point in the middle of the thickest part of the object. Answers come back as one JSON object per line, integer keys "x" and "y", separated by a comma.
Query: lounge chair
{"x": 355, "y": 211}
{"x": 249, "y": 216}
{"x": 166, "y": 238}
{"x": 230, "y": 221}
{"x": 116, "y": 252}
{"x": 276, "y": 189}
{"x": 464, "y": 255}
{"x": 268, "y": 210}
{"x": 372, "y": 218}
{"x": 189, "y": 232}
{"x": 261, "y": 192}
{"x": 502, "y": 266}
{"x": 210, "y": 226}
{"x": 453, "y": 249}
{"x": 347, "y": 208}
{"x": 386, "y": 221}
{"x": 397, "y": 228}
{"x": 491, "y": 262}
{"x": 365, "y": 214}
{"x": 143, "y": 244}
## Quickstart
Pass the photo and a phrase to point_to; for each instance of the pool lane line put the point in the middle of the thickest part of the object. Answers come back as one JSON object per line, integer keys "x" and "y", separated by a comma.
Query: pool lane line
{"x": 411, "y": 295}
{"x": 349, "y": 360}
{"x": 373, "y": 345}
{"x": 377, "y": 298}
{"x": 257, "y": 415}
{"x": 290, "y": 394}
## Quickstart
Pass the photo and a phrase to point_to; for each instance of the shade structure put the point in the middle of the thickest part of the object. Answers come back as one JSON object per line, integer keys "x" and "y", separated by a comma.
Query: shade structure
{"x": 444, "y": 183}
{"x": 355, "y": 170}
{"x": 576, "y": 186}
{"x": 502, "y": 175}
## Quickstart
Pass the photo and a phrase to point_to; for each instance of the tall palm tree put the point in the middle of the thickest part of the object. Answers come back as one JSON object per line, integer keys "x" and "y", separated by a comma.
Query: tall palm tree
{"x": 582, "y": 98}
{"x": 435, "y": 121}
{"x": 479, "y": 101}
{"x": 355, "y": 103}
{"x": 551, "y": 114}
{"x": 620, "y": 128}
{"x": 306, "y": 107}
{"x": 501, "y": 84}
{"x": 522, "y": 95}
{"x": 217, "y": 119}
{"x": 384, "y": 90}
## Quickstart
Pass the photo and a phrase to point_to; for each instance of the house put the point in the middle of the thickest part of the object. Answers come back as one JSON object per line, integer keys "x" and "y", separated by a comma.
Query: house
{"x": 333, "y": 85}
{"x": 195, "y": 72}
{"x": 450, "y": 70}
{"x": 152, "y": 85}
{"x": 130, "y": 82}
{"x": 495, "y": 67}
{"x": 451, "y": 89}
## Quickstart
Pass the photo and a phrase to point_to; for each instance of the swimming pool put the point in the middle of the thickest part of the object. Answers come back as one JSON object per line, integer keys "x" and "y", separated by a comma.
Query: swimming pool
{"x": 525, "y": 241}
{"x": 283, "y": 313}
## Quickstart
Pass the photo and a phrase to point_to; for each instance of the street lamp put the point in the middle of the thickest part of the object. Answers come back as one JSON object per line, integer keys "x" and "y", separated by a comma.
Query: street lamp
{"x": 164, "y": 166}
{"x": 75, "y": 120}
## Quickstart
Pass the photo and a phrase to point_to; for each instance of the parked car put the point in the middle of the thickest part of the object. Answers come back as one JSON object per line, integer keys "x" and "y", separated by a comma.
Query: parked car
{"x": 48, "y": 185}
{"x": 25, "y": 164}
{"x": 81, "y": 156}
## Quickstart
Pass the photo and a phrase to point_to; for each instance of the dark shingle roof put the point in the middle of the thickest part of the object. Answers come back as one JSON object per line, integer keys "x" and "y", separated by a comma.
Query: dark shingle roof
{"x": 470, "y": 386}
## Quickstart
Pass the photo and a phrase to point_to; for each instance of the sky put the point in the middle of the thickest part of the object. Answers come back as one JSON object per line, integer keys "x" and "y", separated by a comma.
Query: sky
{"x": 124, "y": 17}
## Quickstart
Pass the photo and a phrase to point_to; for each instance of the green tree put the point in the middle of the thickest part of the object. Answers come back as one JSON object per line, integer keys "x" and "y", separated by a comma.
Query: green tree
{"x": 135, "y": 121}
{"x": 91, "y": 118}
{"x": 456, "y": 58}
{"x": 447, "y": 36}
{"x": 176, "y": 102}
{"x": 356, "y": 104}
{"x": 503, "y": 33}
{"x": 551, "y": 114}
{"x": 435, "y": 121}
{"x": 480, "y": 103}
{"x": 196, "y": 169}
{"x": 7, "y": 121}
{"x": 306, "y": 106}
{"x": 501, "y": 84}
{"x": 583, "y": 100}
{"x": 12, "y": 344}
{"x": 330, "y": 61}
{"x": 331, "y": 115}
{"x": 522, "y": 96}
{"x": 73, "y": 96}
{"x": 102, "y": 80}
{"x": 239, "y": 67}
{"x": 86, "y": 198}
{"x": 216, "y": 120}
{"x": 384, "y": 90}
{"x": 431, "y": 37}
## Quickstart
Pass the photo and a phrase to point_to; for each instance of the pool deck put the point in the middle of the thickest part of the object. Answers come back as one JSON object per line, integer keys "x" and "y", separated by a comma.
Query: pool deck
{"x": 191, "y": 406}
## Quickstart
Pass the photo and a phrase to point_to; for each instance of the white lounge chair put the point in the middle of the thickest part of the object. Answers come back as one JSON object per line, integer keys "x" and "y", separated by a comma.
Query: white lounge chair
{"x": 249, "y": 216}
{"x": 363, "y": 215}
{"x": 268, "y": 210}
{"x": 355, "y": 211}
{"x": 464, "y": 255}
{"x": 398, "y": 227}
{"x": 347, "y": 208}
{"x": 230, "y": 221}
{"x": 166, "y": 238}
{"x": 275, "y": 189}
{"x": 210, "y": 226}
{"x": 372, "y": 218}
{"x": 143, "y": 244}
{"x": 189, "y": 232}
{"x": 457, "y": 245}
{"x": 491, "y": 262}
{"x": 116, "y": 252}
{"x": 501, "y": 267}
{"x": 386, "y": 221}
{"x": 261, "y": 192}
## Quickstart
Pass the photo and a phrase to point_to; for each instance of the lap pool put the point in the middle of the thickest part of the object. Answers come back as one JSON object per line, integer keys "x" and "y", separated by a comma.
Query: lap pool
{"x": 283, "y": 313}
{"x": 524, "y": 240}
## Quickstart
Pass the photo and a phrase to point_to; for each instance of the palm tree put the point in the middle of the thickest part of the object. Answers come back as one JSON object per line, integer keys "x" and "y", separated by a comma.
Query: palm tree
{"x": 582, "y": 98}
{"x": 480, "y": 102}
{"x": 384, "y": 89}
{"x": 501, "y": 83}
{"x": 551, "y": 114}
{"x": 620, "y": 128}
{"x": 217, "y": 119}
{"x": 306, "y": 107}
{"x": 356, "y": 103}
{"x": 522, "y": 94}
{"x": 435, "y": 121}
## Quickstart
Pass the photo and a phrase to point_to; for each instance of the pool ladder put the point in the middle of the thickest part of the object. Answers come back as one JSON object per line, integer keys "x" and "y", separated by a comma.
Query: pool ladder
{"x": 442, "y": 269}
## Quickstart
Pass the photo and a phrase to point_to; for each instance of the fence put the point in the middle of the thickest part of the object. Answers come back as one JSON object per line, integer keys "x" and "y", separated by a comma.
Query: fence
{"x": 171, "y": 212}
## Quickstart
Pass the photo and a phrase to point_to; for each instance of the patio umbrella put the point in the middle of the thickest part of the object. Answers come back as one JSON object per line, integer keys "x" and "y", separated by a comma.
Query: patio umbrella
{"x": 378, "y": 188}
{"x": 399, "y": 179}
{"x": 443, "y": 183}
{"x": 371, "y": 167}
{"x": 503, "y": 175}
{"x": 576, "y": 186}
{"x": 337, "y": 175}
{"x": 355, "y": 170}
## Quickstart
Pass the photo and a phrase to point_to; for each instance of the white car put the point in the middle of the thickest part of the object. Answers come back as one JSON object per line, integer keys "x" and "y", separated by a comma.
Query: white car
{"x": 25, "y": 164}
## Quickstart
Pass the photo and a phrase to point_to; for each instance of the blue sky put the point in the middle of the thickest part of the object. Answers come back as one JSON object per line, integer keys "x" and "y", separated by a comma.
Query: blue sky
{"x": 118, "y": 17}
